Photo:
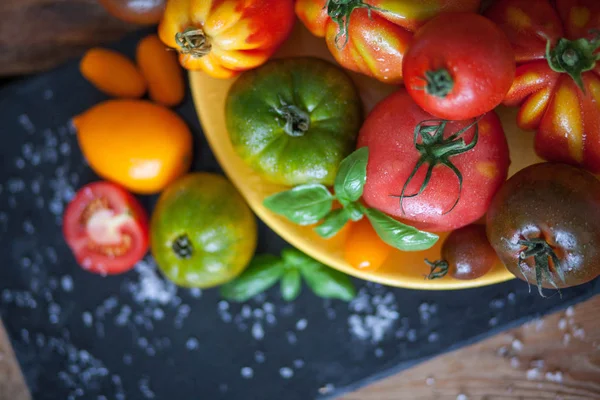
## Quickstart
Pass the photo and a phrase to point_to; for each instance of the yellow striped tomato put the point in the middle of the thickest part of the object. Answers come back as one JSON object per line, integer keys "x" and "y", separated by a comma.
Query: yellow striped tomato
{"x": 225, "y": 37}
{"x": 371, "y": 36}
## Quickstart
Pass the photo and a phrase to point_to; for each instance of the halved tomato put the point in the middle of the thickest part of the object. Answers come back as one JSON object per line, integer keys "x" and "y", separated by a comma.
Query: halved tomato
{"x": 106, "y": 228}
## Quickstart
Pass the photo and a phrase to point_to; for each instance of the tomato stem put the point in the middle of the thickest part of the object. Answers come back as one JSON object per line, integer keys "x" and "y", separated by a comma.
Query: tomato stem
{"x": 574, "y": 57}
{"x": 542, "y": 254}
{"x": 435, "y": 150}
{"x": 439, "y": 83}
{"x": 340, "y": 10}
{"x": 193, "y": 41}
{"x": 438, "y": 269}
{"x": 297, "y": 121}
{"x": 182, "y": 247}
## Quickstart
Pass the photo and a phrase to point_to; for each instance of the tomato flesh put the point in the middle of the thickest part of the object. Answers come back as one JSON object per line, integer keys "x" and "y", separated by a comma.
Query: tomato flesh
{"x": 106, "y": 228}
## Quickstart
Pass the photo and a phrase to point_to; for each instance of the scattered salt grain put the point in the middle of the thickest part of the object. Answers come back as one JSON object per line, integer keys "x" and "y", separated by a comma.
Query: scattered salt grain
{"x": 258, "y": 313}
{"x": 144, "y": 386}
{"x": 411, "y": 335}
{"x": 433, "y": 337}
{"x": 566, "y": 339}
{"x": 430, "y": 381}
{"x": 493, "y": 321}
{"x": 269, "y": 308}
{"x": 328, "y": 388}
{"x": 258, "y": 332}
{"x": 298, "y": 363}
{"x": 578, "y": 333}
{"x": 259, "y": 357}
{"x": 570, "y": 311}
{"x": 516, "y": 345}
{"x": 556, "y": 376}
{"x": 196, "y": 293}
{"x": 537, "y": 363}
{"x": 502, "y": 351}
{"x": 378, "y": 352}
{"x": 462, "y": 397}
{"x": 512, "y": 297}
{"x": 192, "y": 343}
{"x": 88, "y": 320}
{"x": 373, "y": 313}
{"x": 301, "y": 324}
{"x": 127, "y": 359}
{"x": 286, "y": 372}
{"x": 291, "y": 337}
{"x": 223, "y": 305}
{"x": 514, "y": 362}
{"x": 66, "y": 282}
{"x": 533, "y": 374}
{"x": 151, "y": 287}
{"x": 247, "y": 372}
{"x": 26, "y": 123}
{"x": 562, "y": 324}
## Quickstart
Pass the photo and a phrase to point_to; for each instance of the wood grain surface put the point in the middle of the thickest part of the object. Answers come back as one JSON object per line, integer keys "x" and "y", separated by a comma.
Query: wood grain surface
{"x": 36, "y": 35}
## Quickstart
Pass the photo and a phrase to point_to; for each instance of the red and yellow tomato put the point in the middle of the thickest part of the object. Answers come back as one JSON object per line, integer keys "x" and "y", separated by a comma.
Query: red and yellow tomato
{"x": 557, "y": 83}
{"x": 372, "y": 36}
{"x": 224, "y": 37}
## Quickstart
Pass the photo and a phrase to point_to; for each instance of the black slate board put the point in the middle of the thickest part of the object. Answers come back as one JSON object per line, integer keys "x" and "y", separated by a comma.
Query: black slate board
{"x": 136, "y": 336}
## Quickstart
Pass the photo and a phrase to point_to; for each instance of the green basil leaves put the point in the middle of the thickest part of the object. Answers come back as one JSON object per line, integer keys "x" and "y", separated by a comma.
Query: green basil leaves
{"x": 265, "y": 270}
{"x": 309, "y": 204}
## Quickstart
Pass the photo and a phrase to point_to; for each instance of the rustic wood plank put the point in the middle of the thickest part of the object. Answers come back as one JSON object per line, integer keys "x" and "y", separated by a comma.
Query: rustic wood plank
{"x": 36, "y": 35}
{"x": 12, "y": 384}
{"x": 557, "y": 357}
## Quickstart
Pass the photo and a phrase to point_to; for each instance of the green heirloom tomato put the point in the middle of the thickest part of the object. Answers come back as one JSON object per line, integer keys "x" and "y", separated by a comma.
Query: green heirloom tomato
{"x": 294, "y": 120}
{"x": 202, "y": 232}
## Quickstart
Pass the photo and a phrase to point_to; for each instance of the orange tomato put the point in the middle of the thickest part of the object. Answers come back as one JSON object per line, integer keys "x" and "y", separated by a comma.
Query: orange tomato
{"x": 112, "y": 73}
{"x": 363, "y": 249}
{"x": 159, "y": 66}
{"x": 138, "y": 144}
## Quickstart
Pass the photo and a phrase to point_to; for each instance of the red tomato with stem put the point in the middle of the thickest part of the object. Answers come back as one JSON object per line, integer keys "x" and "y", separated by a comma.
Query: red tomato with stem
{"x": 459, "y": 66}
{"x": 372, "y": 36}
{"x": 106, "y": 228}
{"x": 434, "y": 174}
{"x": 557, "y": 83}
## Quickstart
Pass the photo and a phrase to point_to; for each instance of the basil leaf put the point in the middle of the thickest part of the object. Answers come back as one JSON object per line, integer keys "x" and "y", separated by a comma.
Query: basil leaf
{"x": 303, "y": 205}
{"x": 351, "y": 177}
{"x": 355, "y": 211}
{"x": 291, "y": 284}
{"x": 293, "y": 257}
{"x": 332, "y": 223}
{"x": 262, "y": 273}
{"x": 396, "y": 234}
{"x": 328, "y": 283}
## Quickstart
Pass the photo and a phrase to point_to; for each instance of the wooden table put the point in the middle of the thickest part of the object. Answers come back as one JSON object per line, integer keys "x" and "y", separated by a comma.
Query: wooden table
{"x": 557, "y": 357}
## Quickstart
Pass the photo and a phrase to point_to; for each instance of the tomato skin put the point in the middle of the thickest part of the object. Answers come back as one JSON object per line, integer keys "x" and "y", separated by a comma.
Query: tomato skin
{"x": 145, "y": 12}
{"x": 473, "y": 55}
{"x": 376, "y": 44}
{"x": 566, "y": 119}
{"x": 557, "y": 203}
{"x": 468, "y": 253}
{"x": 388, "y": 133}
{"x": 76, "y": 233}
{"x": 254, "y": 31}
{"x": 363, "y": 248}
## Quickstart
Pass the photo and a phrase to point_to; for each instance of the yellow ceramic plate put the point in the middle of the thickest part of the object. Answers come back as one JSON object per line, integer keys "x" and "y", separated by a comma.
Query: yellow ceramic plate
{"x": 402, "y": 269}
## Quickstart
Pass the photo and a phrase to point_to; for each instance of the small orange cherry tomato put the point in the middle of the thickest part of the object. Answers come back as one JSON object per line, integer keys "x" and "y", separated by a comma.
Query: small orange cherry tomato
{"x": 112, "y": 73}
{"x": 138, "y": 144}
{"x": 162, "y": 71}
{"x": 364, "y": 249}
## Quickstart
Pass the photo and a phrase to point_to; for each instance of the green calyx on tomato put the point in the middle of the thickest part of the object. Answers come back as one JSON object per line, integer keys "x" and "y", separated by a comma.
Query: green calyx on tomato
{"x": 573, "y": 57}
{"x": 438, "y": 269}
{"x": 340, "y": 10}
{"x": 309, "y": 204}
{"x": 542, "y": 254}
{"x": 435, "y": 150}
{"x": 193, "y": 41}
{"x": 297, "y": 121}
{"x": 438, "y": 83}
{"x": 293, "y": 265}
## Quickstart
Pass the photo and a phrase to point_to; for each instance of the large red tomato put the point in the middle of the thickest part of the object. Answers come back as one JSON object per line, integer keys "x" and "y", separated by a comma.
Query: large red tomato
{"x": 106, "y": 228}
{"x": 436, "y": 175}
{"x": 224, "y": 37}
{"x": 371, "y": 36}
{"x": 459, "y": 66}
{"x": 557, "y": 82}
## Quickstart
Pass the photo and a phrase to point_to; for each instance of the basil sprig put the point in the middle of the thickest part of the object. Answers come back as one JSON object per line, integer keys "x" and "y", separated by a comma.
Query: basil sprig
{"x": 265, "y": 270}
{"x": 311, "y": 203}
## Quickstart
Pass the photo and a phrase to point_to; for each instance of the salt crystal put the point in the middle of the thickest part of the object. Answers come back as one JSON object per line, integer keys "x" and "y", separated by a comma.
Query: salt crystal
{"x": 301, "y": 324}
{"x": 20, "y": 163}
{"x": 151, "y": 287}
{"x": 328, "y": 388}
{"x": 271, "y": 320}
{"x": 493, "y": 321}
{"x": 537, "y": 363}
{"x": 533, "y": 374}
{"x": 514, "y": 362}
{"x": 26, "y": 123}
{"x": 411, "y": 335}
{"x": 462, "y": 397}
{"x": 430, "y": 381}
{"x": 196, "y": 293}
{"x": 259, "y": 357}
{"x": 298, "y": 363}
{"x": 246, "y": 311}
{"x": 87, "y": 318}
{"x": 247, "y": 372}
{"x": 566, "y": 339}
{"x": 269, "y": 308}
{"x": 158, "y": 314}
{"x": 556, "y": 376}
{"x": 379, "y": 352}
{"x": 433, "y": 337}
{"x": 578, "y": 333}
{"x": 192, "y": 343}
{"x": 502, "y": 351}
{"x": 517, "y": 345}
{"x": 28, "y": 227}
{"x": 127, "y": 359}
{"x": 66, "y": 282}
{"x": 258, "y": 313}
{"x": 497, "y": 304}
{"x": 570, "y": 311}
{"x": 258, "y": 332}
{"x": 286, "y": 372}
{"x": 562, "y": 324}
{"x": 144, "y": 386}
{"x": 291, "y": 337}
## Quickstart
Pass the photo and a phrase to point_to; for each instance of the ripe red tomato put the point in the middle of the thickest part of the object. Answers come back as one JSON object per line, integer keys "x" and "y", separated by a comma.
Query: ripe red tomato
{"x": 557, "y": 82}
{"x": 459, "y": 66}
{"x": 436, "y": 175}
{"x": 371, "y": 36}
{"x": 466, "y": 254}
{"x": 106, "y": 228}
